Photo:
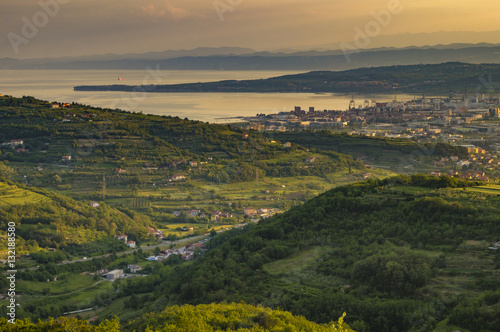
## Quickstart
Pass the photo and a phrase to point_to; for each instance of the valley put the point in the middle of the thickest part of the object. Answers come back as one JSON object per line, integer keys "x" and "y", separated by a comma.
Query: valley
{"x": 154, "y": 212}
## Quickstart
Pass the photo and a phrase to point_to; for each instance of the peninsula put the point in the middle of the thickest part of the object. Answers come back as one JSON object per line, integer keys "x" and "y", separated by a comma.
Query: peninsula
{"x": 441, "y": 78}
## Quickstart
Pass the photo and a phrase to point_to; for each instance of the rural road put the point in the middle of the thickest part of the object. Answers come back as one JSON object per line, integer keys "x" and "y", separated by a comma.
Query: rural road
{"x": 165, "y": 244}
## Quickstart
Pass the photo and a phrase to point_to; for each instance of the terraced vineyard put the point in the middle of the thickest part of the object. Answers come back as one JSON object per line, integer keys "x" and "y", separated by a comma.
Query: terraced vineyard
{"x": 13, "y": 195}
{"x": 489, "y": 189}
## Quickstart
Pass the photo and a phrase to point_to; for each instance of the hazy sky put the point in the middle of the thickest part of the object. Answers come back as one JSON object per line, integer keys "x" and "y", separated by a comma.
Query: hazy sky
{"x": 83, "y": 27}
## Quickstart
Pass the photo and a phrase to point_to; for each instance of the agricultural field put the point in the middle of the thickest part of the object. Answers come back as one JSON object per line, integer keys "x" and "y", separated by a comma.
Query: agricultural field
{"x": 160, "y": 200}
{"x": 297, "y": 262}
{"x": 489, "y": 189}
{"x": 69, "y": 291}
{"x": 13, "y": 195}
{"x": 397, "y": 155}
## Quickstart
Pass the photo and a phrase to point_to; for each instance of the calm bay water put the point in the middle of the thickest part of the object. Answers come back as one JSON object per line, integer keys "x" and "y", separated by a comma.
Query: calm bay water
{"x": 57, "y": 85}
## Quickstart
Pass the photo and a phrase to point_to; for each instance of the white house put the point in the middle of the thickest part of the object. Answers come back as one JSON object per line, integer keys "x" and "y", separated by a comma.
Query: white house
{"x": 16, "y": 142}
{"x": 122, "y": 237}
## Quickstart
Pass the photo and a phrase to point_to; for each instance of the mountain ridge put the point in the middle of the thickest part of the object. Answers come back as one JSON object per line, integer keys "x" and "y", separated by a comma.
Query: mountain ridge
{"x": 230, "y": 58}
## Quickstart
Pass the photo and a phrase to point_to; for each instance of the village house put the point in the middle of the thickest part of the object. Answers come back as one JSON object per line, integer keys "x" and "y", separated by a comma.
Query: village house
{"x": 190, "y": 248}
{"x": 130, "y": 244}
{"x": 216, "y": 216}
{"x": 66, "y": 158}
{"x": 134, "y": 268}
{"x": 192, "y": 213}
{"x": 95, "y": 205}
{"x": 249, "y": 211}
{"x": 177, "y": 178}
{"x": 122, "y": 237}
{"x": 154, "y": 232}
{"x": 16, "y": 142}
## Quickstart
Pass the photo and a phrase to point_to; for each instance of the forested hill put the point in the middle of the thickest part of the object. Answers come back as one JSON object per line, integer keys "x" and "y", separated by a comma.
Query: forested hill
{"x": 45, "y": 219}
{"x": 397, "y": 255}
{"x": 110, "y": 156}
{"x": 203, "y": 318}
{"x": 436, "y": 78}
{"x": 93, "y": 135}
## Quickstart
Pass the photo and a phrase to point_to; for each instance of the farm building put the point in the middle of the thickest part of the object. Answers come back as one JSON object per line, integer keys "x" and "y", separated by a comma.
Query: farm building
{"x": 114, "y": 275}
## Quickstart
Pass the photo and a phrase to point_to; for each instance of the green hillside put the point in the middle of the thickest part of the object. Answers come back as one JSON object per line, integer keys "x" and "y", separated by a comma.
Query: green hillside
{"x": 398, "y": 155}
{"x": 13, "y": 195}
{"x": 396, "y": 255}
{"x": 45, "y": 219}
{"x": 159, "y": 165}
{"x": 201, "y": 318}
{"x": 229, "y": 317}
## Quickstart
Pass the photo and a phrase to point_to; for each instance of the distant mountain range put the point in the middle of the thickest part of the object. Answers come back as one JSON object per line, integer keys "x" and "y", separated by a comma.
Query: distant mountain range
{"x": 233, "y": 58}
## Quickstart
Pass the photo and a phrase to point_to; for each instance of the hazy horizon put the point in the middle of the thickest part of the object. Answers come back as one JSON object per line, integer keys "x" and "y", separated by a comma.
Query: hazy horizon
{"x": 53, "y": 28}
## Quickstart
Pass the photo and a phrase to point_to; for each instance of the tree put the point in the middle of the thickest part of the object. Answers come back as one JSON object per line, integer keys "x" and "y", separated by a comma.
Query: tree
{"x": 56, "y": 179}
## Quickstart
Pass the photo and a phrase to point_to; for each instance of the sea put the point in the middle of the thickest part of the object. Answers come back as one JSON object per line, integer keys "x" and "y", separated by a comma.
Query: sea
{"x": 57, "y": 85}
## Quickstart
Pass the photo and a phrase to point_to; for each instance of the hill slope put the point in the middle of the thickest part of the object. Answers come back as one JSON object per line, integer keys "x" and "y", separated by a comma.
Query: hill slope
{"x": 45, "y": 219}
{"x": 158, "y": 165}
{"x": 202, "y": 318}
{"x": 397, "y": 254}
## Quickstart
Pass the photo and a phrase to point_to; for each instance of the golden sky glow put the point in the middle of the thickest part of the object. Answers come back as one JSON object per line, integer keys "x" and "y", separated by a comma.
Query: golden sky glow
{"x": 80, "y": 27}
